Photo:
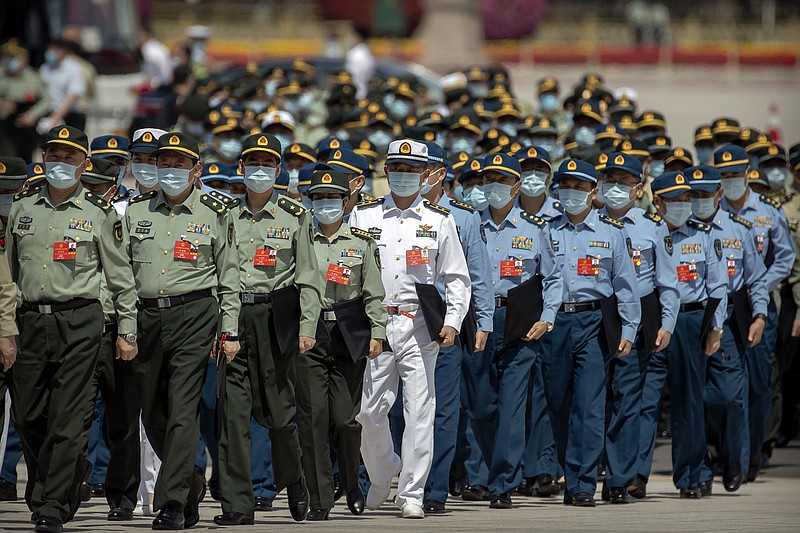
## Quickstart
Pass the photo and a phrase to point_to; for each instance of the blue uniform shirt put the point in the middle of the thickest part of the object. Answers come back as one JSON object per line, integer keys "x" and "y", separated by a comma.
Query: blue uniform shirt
{"x": 522, "y": 237}
{"x": 468, "y": 224}
{"x": 649, "y": 233}
{"x": 742, "y": 262}
{"x": 603, "y": 243}
{"x": 702, "y": 272}
{"x": 769, "y": 226}
{"x": 551, "y": 208}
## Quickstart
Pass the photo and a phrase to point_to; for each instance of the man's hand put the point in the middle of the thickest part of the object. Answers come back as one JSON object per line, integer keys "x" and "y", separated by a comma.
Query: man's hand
{"x": 757, "y": 330}
{"x": 306, "y": 343}
{"x": 624, "y": 348}
{"x": 662, "y": 340}
{"x": 375, "y": 348}
{"x": 480, "y": 340}
{"x": 712, "y": 342}
{"x": 537, "y": 330}
{"x": 448, "y": 336}
{"x": 126, "y": 351}
{"x": 796, "y": 328}
{"x": 8, "y": 352}
{"x": 26, "y": 120}
{"x": 230, "y": 349}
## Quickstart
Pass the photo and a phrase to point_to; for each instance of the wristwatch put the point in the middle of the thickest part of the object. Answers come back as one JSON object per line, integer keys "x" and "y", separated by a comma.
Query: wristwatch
{"x": 549, "y": 326}
{"x": 231, "y": 336}
{"x": 129, "y": 337}
{"x": 720, "y": 331}
{"x": 762, "y": 316}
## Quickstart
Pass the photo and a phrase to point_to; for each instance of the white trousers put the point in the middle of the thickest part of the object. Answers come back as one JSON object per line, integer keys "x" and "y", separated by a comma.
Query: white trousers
{"x": 413, "y": 361}
{"x": 149, "y": 467}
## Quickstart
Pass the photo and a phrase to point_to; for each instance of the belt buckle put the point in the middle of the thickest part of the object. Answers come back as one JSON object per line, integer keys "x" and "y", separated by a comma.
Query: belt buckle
{"x": 329, "y": 316}
{"x": 45, "y": 309}
{"x": 163, "y": 303}
{"x": 498, "y": 301}
{"x": 570, "y": 308}
{"x": 248, "y": 298}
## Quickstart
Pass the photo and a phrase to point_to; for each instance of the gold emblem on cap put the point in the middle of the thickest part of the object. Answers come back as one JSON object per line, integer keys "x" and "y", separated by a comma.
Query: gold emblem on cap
{"x": 262, "y": 141}
{"x": 38, "y": 169}
{"x": 602, "y": 159}
{"x": 572, "y": 165}
{"x": 335, "y": 143}
{"x": 112, "y": 143}
{"x": 213, "y": 169}
{"x": 174, "y": 140}
{"x": 648, "y": 116}
{"x": 679, "y": 152}
{"x": 722, "y": 123}
{"x": 491, "y": 134}
{"x": 745, "y": 133}
{"x": 679, "y": 179}
{"x": 364, "y": 145}
{"x": 532, "y": 152}
{"x": 545, "y": 123}
{"x": 661, "y": 141}
{"x": 619, "y": 160}
{"x": 762, "y": 138}
{"x": 697, "y": 174}
{"x": 436, "y": 116}
{"x": 463, "y": 120}
{"x": 327, "y": 178}
{"x": 463, "y": 156}
{"x": 2, "y": 168}
{"x": 585, "y": 108}
{"x": 429, "y": 136}
{"x": 726, "y": 156}
{"x": 753, "y": 175}
{"x": 295, "y": 148}
{"x": 89, "y": 165}
{"x": 147, "y": 137}
{"x": 380, "y": 115}
{"x": 337, "y": 154}
{"x": 405, "y": 148}
{"x": 475, "y": 165}
{"x": 772, "y": 149}
{"x": 611, "y": 129}
{"x": 497, "y": 160}
{"x": 627, "y": 145}
{"x": 213, "y": 117}
{"x": 411, "y": 121}
{"x": 63, "y": 133}
{"x": 373, "y": 107}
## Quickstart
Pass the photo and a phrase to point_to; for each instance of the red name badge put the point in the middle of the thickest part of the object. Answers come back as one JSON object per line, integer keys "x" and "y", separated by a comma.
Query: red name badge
{"x": 510, "y": 268}
{"x": 265, "y": 257}
{"x": 637, "y": 258}
{"x": 65, "y": 251}
{"x": 687, "y": 272}
{"x": 417, "y": 256}
{"x": 588, "y": 266}
{"x": 338, "y": 274}
{"x": 185, "y": 250}
{"x": 731, "y": 263}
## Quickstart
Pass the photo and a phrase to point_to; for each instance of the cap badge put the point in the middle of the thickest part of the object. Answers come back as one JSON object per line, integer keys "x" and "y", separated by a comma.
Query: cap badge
{"x": 213, "y": 169}
{"x": 405, "y": 148}
{"x": 545, "y": 123}
{"x": 147, "y": 137}
{"x": 63, "y": 133}
{"x": 2, "y": 168}
{"x": 475, "y": 165}
{"x": 532, "y": 152}
{"x": 773, "y": 149}
{"x": 337, "y": 154}
{"x": 602, "y": 159}
{"x": 697, "y": 174}
{"x": 619, "y": 160}
{"x": 572, "y": 165}
{"x": 585, "y": 108}
{"x": 327, "y": 178}
{"x": 174, "y": 140}
{"x": 679, "y": 179}
{"x": 38, "y": 169}
{"x": 679, "y": 152}
{"x": 112, "y": 143}
{"x": 295, "y": 148}
{"x": 262, "y": 141}
{"x": 497, "y": 160}
{"x": 335, "y": 144}
{"x": 463, "y": 120}
{"x": 726, "y": 156}
{"x": 89, "y": 166}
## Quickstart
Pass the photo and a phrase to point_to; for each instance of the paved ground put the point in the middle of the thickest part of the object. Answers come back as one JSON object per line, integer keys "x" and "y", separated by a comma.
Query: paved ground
{"x": 770, "y": 504}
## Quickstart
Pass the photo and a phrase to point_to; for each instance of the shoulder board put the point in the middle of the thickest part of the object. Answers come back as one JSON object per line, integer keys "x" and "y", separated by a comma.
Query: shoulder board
{"x": 462, "y": 205}
{"x": 653, "y": 216}
{"x": 235, "y": 202}
{"x": 698, "y": 225}
{"x": 29, "y": 192}
{"x": 120, "y": 197}
{"x": 612, "y": 221}
{"x": 221, "y": 197}
{"x": 533, "y": 219}
{"x": 436, "y": 207}
{"x": 144, "y": 196}
{"x": 367, "y": 236}
{"x": 770, "y": 201}
{"x": 215, "y": 205}
{"x": 558, "y": 206}
{"x": 366, "y": 198}
{"x": 743, "y": 221}
{"x": 370, "y": 202}
{"x": 291, "y": 207}
{"x": 98, "y": 201}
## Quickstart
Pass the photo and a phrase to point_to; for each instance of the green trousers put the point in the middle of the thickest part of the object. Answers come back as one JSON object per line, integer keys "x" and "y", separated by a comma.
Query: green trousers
{"x": 51, "y": 399}
{"x": 259, "y": 381}
{"x": 174, "y": 347}
{"x": 329, "y": 385}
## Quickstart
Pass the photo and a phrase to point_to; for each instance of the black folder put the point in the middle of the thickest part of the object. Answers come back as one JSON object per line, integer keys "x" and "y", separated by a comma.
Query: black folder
{"x": 523, "y": 308}
{"x": 353, "y": 322}
{"x": 286, "y": 318}
{"x": 469, "y": 328}
{"x": 612, "y": 325}
{"x": 222, "y": 394}
{"x": 651, "y": 321}
{"x": 708, "y": 317}
{"x": 433, "y": 309}
{"x": 742, "y": 313}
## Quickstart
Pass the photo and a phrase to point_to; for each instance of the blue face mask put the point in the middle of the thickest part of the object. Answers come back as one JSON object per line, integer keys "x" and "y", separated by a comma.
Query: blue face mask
{"x": 585, "y": 136}
{"x": 476, "y": 197}
{"x": 703, "y": 208}
{"x": 284, "y": 139}
{"x": 656, "y": 168}
{"x": 404, "y": 184}
{"x": 616, "y": 196}
{"x": 463, "y": 144}
{"x": 458, "y": 192}
{"x": 509, "y": 128}
{"x": 60, "y": 175}
{"x": 145, "y": 173}
{"x": 678, "y": 213}
{"x": 533, "y": 182}
{"x": 259, "y": 179}
{"x": 173, "y": 181}
{"x": 549, "y": 102}
{"x": 51, "y": 58}
{"x": 705, "y": 156}
{"x": 548, "y": 144}
{"x": 380, "y": 139}
{"x": 230, "y": 148}
{"x": 574, "y": 201}
{"x": 734, "y": 188}
{"x": 498, "y": 194}
{"x": 400, "y": 108}
{"x": 776, "y": 177}
{"x": 328, "y": 210}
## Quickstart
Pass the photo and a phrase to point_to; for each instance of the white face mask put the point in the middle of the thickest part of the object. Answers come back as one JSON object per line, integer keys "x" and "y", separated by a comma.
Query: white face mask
{"x": 703, "y": 208}
{"x": 734, "y": 188}
{"x": 230, "y": 148}
{"x": 616, "y": 196}
{"x": 574, "y": 201}
{"x": 145, "y": 173}
{"x": 404, "y": 184}
{"x": 776, "y": 177}
{"x": 498, "y": 194}
{"x": 173, "y": 181}
{"x": 294, "y": 178}
{"x": 328, "y": 210}
{"x": 259, "y": 179}
{"x": 60, "y": 175}
{"x": 476, "y": 197}
{"x": 5, "y": 203}
{"x": 678, "y": 213}
{"x": 533, "y": 182}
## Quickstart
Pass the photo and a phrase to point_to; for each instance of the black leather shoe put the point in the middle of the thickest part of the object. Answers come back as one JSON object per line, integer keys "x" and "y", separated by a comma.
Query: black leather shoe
{"x": 526, "y": 487}
{"x": 213, "y": 488}
{"x": 691, "y": 494}
{"x": 567, "y": 499}
{"x": 755, "y": 466}
{"x": 433, "y": 507}
{"x": 501, "y": 501}
{"x": 169, "y": 519}
{"x": 545, "y": 486}
{"x": 458, "y": 479}
{"x": 706, "y": 488}
{"x": 48, "y": 523}
{"x": 191, "y": 511}
{"x": 619, "y": 495}
{"x": 475, "y": 493}
{"x": 263, "y": 504}
{"x": 98, "y": 490}
{"x": 8, "y": 491}
{"x": 601, "y": 475}
{"x": 583, "y": 499}
{"x": 233, "y": 519}
{"x": 318, "y": 515}
{"x": 338, "y": 489}
{"x": 297, "y": 494}
{"x": 118, "y": 514}
{"x": 732, "y": 478}
{"x": 80, "y": 491}
{"x": 85, "y": 492}
{"x": 355, "y": 501}
{"x": 638, "y": 489}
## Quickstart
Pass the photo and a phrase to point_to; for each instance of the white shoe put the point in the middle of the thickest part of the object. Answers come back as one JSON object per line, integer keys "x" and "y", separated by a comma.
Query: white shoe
{"x": 378, "y": 494}
{"x": 412, "y": 510}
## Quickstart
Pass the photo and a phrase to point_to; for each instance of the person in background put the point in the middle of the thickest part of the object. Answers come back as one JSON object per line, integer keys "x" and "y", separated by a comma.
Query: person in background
{"x": 67, "y": 85}
{"x": 156, "y": 59}
{"x": 360, "y": 62}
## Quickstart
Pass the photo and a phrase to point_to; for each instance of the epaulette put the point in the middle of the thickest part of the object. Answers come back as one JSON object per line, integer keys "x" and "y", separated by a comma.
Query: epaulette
{"x": 743, "y": 221}
{"x": 370, "y": 203}
{"x": 26, "y": 194}
{"x": 462, "y": 205}
{"x": 221, "y": 197}
{"x": 291, "y": 207}
{"x": 215, "y": 205}
{"x": 558, "y": 206}
{"x": 770, "y": 201}
{"x": 235, "y": 202}
{"x": 533, "y": 219}
{"x": 653, "y": 216}
{"x": 436, "y": 207}
{"x": 98, "y": 201}
{"x": 367, "y": 236}
{"x": 366, "y": 198}
{"x": 121, "y": 196}
{"x": 612, "y": 221}
{"x": 698, "y": 225}
{"x": 143, "y": 196}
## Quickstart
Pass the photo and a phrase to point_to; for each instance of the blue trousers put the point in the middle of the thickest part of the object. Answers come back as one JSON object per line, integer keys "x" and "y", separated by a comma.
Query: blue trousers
{"x": 540, "y": 446}
{"x": 684, "y": 364}
{"x": 261, "y": 462}
{"x": 447, "y": 381}
{"x": 98, "y": 453}
{"x": 207, "y": 439}
{"x": 574, "y": 365}
{"x": 12, "y": 456}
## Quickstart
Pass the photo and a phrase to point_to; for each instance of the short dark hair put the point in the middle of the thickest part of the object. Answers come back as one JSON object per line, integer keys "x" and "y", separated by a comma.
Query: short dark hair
{"x": 362, "y": 30}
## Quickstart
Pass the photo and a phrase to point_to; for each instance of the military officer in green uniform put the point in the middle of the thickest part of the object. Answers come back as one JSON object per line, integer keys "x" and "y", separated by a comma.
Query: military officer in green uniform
{"x": 330, "y": 376}
{"x": 181, "y": 243}
{"x": 273, "y": 236}
{"x": 61, "y": 239}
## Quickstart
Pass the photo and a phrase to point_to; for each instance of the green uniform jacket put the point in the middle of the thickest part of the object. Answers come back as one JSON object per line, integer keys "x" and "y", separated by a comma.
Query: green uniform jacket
{"x": 8, "y": 292}
{"x": 25, "y": 88}
{"x": 355, "y": 249}
{"x": 91, "y": 227}
{"x": 282, "y": 225}
{"x": 156, "y": 235}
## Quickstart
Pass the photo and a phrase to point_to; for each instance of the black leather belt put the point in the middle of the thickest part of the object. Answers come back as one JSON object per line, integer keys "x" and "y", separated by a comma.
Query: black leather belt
{"x": 48, "y": 308}
{"x": 254, "y": 297}
{"x": 579, "y": 308}
{"x": 500, "y": 301}
{"x": 172, "y": 301}
{"x": 328, "y": 315}
{"x": 694, "y": 306}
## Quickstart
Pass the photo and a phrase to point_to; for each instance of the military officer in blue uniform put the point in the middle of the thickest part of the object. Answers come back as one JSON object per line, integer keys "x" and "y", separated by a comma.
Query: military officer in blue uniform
{"x": 726, "y": 382}
{"x": 774, "y": 243}
{"x": 697, "y": 258}
{"x": 593, "y": 251}
{"x": 621, "y": 180}
{"x": 536, "y": 169}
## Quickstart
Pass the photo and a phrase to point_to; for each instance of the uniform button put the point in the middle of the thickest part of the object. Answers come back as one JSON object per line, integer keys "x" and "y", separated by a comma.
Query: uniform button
{"x": 573, "y": 265}
{"x": 395, "y": 295}
{"x": 497, "y": 249}
{"x": 169, "y": 233}
{"x": 399, "y": 240}
{"x": 172, "y": 215}
{"x": 401, "y": 221}
{"x": 47, "y": 247}
{"x": 572, "y": 282}
{"x": 51, "y": 227}
{"x": 396, "y": 276}
{"x": 495, "y": 266}
{"x": 41, "y": 286}
{"x": 253, "y": 222}
{"x": 397, "y": 258}
{"x": 163, "y": 271}
{"x": 161, "y": 291}
{"x": 494, "y": 283}
{"x": 249, "y": 258}
{"x": 77, "y": 238}
{"x": 251, "y": 240}
{"x": 574, "y": 248}
{"x": 166, "y": 252}
{"x": 44, "y": 267}
{"x": 249, "y": 276}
